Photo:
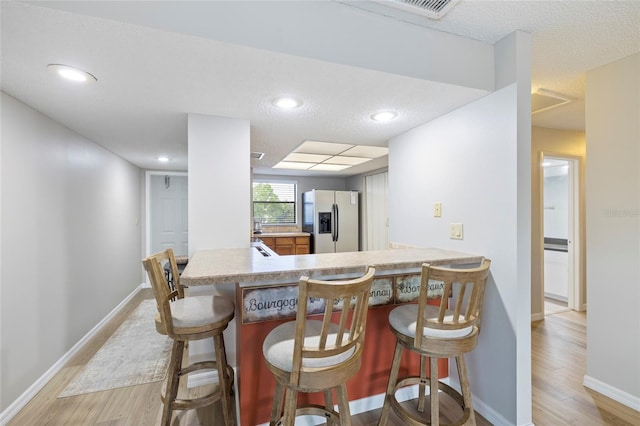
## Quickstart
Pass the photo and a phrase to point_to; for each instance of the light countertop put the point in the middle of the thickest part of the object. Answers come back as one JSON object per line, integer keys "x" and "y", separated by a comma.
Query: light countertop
{"x": 248, "y": 266}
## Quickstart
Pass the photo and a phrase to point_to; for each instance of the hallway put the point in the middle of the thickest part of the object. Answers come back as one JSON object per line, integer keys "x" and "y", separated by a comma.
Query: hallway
{"x": 559, "y": 364}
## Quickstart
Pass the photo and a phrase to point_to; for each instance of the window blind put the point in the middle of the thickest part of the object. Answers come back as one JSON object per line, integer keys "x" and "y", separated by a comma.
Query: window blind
{"x": 274, "y": 202}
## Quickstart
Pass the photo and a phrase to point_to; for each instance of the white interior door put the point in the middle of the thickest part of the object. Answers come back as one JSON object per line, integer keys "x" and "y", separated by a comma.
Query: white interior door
{"x": 561, "y": 279}
{"x": 168, "y": 212}
{"x": 376, "y": 214}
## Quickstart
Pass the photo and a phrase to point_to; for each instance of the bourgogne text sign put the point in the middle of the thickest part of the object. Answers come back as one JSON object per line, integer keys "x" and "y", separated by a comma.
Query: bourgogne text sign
{"x": 280, "y": 302}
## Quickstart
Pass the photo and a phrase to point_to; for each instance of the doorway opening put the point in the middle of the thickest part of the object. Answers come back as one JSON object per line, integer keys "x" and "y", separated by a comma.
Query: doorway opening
{"x": 561, "y": 224}
{"x": 167, "y": 212}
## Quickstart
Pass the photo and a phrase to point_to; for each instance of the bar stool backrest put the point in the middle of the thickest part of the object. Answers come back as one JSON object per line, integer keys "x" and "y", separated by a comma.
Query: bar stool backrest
{"x": 465, "y": 289}
{"x": 154, "y": 265}
{"x": 343, "y": 319}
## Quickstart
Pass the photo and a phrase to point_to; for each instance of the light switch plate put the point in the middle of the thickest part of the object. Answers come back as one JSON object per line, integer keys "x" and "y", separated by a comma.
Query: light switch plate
{"x": 437, "y": 209}
{"x": 455, "y": 231}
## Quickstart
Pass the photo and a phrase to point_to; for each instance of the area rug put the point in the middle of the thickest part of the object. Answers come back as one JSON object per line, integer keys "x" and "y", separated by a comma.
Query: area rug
{"x": 135, "y": 354}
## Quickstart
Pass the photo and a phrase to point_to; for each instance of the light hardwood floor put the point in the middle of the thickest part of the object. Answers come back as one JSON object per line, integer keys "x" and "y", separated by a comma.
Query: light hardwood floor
{"x": 559, "y": 364}
{"x": 558, "y": 358}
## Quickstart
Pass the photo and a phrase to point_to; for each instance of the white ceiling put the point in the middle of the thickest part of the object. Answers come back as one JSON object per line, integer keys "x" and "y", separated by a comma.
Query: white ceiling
{"x": 154, "y": 65}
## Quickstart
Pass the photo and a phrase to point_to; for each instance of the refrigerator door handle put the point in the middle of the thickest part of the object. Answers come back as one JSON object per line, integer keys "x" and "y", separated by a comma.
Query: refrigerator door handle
{"x": 334, "y": 223}
{"x": 337, "y": 223}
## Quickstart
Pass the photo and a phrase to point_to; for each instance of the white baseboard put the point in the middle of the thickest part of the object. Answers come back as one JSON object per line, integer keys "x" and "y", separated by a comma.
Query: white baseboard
{"x": 27, "y": 395}
{"x": 616, "y": 394}
{"x": 490, "y": 414}
{"x": 559, "y": 298}
{"x": 537, "y": 317}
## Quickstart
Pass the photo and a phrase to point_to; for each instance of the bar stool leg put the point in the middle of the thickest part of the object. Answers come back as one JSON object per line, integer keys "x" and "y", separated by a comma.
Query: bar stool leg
{"x": 224, "y": 380}
{"x": 173, "y": 379}
{"x": 422, "y": 385}
{"x": 328, "y": 404}
{"x": 393, "y": 377}
{"x": 466, "y": 389}
{"x": 290, "y": 403}
{"x": 276, "y": 408}
{"x": 433, "y": 389}
{"x": 343, "y": 405}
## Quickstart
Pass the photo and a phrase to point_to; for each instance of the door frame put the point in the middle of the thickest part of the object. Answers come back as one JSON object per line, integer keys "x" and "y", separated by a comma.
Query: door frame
{"x": 147, "y": 183}
{"x": 576, "y": 289}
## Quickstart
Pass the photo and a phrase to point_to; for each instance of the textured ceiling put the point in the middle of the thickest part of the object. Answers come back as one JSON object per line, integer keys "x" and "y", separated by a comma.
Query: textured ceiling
{"x": 152, "y": 70}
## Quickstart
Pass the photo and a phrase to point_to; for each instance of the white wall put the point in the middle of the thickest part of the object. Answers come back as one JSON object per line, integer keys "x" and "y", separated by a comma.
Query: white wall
{"x": 301, "y": 28}
{"x": 219, "y": 182}
{"x": 71, "y": 247}
{"x": 613, "y": 230}
{"x": 476, "y": 162}
{"x": 219, "y": 204}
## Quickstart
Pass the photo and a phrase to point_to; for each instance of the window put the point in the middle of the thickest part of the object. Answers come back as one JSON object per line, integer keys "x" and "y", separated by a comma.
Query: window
{"x": 274, "y": 202}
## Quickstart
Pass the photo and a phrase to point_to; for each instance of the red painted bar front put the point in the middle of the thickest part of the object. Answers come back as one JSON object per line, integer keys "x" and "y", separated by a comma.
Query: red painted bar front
{"x": 256, "y": 383}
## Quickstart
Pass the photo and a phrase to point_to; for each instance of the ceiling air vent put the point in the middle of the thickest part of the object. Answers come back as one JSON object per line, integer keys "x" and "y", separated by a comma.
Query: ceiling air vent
{"x": 257, "y": 155}
{"x": 542, "y": 100}
{"x": 434, "y": 9}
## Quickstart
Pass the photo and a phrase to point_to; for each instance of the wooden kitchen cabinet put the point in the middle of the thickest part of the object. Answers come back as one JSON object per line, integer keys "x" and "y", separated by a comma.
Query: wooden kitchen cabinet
{"x": 302, "y": 245}
{"x": 269, "y": 242}
{"x": 287, "y": 245}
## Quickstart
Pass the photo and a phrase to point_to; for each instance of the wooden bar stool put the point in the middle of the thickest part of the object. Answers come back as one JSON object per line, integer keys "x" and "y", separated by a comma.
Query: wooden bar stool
{"x": 438, "y": 332}
{"x": 319, "y": 354}
{"x": 185, "y": 319}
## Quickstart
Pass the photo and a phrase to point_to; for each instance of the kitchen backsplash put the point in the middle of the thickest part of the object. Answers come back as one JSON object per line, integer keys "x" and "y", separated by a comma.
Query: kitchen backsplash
{"x": 276, "y": 228}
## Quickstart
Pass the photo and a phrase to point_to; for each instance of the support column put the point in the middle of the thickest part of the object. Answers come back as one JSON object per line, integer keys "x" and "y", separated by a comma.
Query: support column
{"x": 219, "y": 204}
{"x": 219, "y": 182}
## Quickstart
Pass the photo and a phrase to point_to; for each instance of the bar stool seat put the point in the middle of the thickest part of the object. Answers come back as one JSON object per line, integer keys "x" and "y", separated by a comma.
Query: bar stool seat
{"x": 185, "y": 319}
{"x": 278, "y": 346}
{"x": 198, "y": 314}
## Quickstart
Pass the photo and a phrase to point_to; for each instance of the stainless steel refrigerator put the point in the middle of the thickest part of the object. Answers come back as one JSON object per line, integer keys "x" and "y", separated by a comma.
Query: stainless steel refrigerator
{"x": 331, "y": 217}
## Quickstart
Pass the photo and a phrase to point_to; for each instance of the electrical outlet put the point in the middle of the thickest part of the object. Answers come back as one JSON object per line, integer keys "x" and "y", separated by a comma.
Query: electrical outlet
{"x": 455, "y": 231}
{"x": 437, "y": 210}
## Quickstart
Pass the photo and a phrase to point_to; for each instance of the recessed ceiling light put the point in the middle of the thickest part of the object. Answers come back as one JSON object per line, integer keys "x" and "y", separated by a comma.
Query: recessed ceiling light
{"x": 71, "y": 73}
{"x": 287, "y": 103}
{"x": 383, "y": 116}
{"x": 163, "y": 159}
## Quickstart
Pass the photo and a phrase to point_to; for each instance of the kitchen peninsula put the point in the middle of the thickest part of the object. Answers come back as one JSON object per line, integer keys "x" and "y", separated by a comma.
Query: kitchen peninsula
{"x": 264, "y": 288}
